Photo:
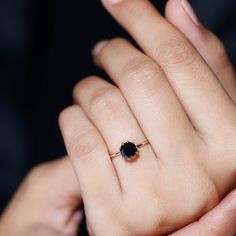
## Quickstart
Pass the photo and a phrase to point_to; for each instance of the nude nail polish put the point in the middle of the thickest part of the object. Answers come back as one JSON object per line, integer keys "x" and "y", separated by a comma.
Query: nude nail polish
{"x": 189, "y": 11}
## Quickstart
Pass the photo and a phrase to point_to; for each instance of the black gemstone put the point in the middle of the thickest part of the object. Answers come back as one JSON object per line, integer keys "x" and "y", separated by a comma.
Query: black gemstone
{"x": 128, "y": 150}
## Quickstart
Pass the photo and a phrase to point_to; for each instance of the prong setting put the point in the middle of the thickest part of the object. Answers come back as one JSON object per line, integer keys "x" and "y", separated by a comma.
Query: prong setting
{"x": 129, "y": 151}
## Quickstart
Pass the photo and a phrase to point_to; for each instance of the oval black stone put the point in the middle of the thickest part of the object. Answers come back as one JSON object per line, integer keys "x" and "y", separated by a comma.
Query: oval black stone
{"x": 128, "y": 150}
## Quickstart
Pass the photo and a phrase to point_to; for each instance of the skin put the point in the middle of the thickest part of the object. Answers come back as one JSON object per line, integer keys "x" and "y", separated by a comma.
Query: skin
{"x": 47, "y": 203}
{"x": 190, "y": 164}
{"x": 175, "y": 94}
{"x": 32, "y": 212}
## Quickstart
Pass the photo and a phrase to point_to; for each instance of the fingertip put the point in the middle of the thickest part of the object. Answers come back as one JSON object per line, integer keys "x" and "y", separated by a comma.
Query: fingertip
{"x": 189, "y": 11}
{"x": 98, "y": 47}
{"x": 182, "y": 16}
{"x": 171, "y": 4}
{"x": 172, "y": 8}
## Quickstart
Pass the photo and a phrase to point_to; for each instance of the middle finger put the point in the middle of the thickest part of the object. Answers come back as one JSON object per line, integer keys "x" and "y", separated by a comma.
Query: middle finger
{"x": 149, "y": 95}
{"x": 189, "y": 75}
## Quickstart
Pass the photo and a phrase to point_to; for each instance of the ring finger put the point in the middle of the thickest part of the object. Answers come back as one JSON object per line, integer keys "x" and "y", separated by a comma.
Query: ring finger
{"x": 107, "y": 109}
{"x": 149, "y": 95}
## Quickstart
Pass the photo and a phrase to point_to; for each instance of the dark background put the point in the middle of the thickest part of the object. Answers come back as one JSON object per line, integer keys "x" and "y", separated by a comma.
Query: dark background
{"x": 45, "y": 48}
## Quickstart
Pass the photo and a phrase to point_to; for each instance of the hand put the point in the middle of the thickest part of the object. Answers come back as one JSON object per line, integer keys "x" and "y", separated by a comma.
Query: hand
{"x": 47, "y": 203}
{"x": 177, "y": 98}
{"x": 218, "y": 222}
{"x": 222, "y": 218}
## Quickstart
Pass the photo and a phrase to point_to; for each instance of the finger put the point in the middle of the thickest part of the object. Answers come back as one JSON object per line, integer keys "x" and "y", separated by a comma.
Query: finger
{"x": 47, "y": 175}
{"x": 107, "y": 109}
{"x": 65, "y": 184}
{"x": 149, "y": 95}
{"x": 212, "y": 50}
{"x": 59, "y": 176}
{"x": 35, "y": 196}
{"x": 220, "y": 221}
{"x": 193, "y": 81}
{"x": 88, "y": 152}
{"x": 207, "y": 44}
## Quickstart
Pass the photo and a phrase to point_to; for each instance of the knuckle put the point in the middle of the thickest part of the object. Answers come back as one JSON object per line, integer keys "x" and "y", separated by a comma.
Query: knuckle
{"x": 155, "y": 217}
{"x": 142, "y": 74}
{"x": 138, "y": 67}
{"x": 36, "y": 174}
{"x": 83, "y": 143}
{"x": 106, "y": 100}
{"x": 178, "y": 52}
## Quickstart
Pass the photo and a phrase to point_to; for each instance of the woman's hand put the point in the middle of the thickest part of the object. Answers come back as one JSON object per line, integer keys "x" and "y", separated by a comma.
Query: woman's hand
{"x": 178, "y": 97}
{"x": 38, "y": 207}
{"x": 47, "y": 203}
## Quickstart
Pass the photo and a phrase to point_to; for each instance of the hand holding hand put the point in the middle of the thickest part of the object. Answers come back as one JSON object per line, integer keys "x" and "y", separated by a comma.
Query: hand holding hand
{"x": 187, "y": 168}
{"x": 48, "y": 203}
{"x": 177, "y": 97}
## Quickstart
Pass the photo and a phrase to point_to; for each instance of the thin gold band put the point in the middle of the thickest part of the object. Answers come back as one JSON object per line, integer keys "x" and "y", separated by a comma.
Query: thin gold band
{"x": 146, "y": 142}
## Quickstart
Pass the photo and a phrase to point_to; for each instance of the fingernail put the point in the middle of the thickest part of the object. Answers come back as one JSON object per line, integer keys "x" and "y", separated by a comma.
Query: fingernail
{"x": 98, "y": 47}
{"x": 111, "y": 1}
{"x": 189, "y": 11}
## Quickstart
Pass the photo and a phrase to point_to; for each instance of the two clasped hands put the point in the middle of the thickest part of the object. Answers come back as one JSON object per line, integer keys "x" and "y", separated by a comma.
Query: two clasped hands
{"x": 178, "y": 92}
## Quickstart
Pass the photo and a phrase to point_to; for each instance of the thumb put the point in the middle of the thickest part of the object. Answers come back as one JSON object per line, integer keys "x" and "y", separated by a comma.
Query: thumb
{"x": 221, "y": 221}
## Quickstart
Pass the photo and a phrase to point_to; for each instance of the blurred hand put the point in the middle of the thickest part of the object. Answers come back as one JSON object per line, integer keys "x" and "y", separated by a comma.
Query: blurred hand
{"x": 47, "y": 203}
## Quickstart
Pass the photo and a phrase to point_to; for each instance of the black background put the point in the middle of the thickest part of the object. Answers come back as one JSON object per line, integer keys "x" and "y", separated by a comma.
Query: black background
{"x": 45, "y": 48}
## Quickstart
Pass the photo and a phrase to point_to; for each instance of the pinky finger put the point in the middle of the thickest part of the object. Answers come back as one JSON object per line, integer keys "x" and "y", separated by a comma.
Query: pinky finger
{"x": 88, "y": 153}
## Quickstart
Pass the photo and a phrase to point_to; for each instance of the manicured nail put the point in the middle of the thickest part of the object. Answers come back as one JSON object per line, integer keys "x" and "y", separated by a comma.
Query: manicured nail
{"x": 99, "y": 46}
{"x": 189, "y": 11}
{"x": 111, "y": 1}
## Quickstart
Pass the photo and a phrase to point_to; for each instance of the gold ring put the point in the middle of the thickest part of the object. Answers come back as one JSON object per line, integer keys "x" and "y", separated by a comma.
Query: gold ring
{"x": 129, "y": 150}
